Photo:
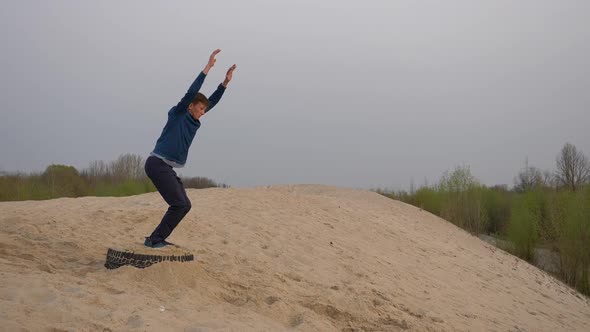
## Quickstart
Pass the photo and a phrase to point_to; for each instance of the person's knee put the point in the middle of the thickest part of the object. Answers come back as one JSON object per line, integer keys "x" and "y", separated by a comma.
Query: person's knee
{"x": 183, "y": 205}
{"x": 187, "y": 206}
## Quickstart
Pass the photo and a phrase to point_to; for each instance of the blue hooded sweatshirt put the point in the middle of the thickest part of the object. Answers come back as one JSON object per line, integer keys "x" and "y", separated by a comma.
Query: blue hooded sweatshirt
{"x": 176, "y": 138}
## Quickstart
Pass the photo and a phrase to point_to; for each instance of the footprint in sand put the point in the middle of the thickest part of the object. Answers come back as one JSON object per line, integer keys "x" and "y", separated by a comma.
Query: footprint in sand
{"x": 296, "y": 320}
{"x": 271, "y": 299}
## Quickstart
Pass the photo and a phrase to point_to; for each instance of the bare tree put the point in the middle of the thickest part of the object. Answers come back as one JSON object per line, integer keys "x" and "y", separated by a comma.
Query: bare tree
{"x": 127, "y": 166}
{"x": 98, "y": 169}
{"x": 550, "y": 180}
{"x": 528, "y": 178}
{"x": 573, "y": 168}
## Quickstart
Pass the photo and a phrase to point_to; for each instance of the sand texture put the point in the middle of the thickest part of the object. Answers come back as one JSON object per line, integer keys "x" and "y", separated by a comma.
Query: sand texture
{"x": 279, "y": 258}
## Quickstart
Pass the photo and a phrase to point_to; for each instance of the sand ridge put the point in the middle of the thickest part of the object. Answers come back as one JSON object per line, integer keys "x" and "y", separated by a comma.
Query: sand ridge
{"x": 275, "y": 258}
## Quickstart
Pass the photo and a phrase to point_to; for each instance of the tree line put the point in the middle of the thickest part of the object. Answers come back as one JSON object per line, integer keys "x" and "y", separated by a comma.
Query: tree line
{"x": 121, "y": 177}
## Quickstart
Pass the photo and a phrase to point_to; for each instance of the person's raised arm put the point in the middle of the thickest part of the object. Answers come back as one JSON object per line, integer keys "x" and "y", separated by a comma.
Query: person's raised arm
{"x": 196, "y": 86}
{"x": 216, "y": 96}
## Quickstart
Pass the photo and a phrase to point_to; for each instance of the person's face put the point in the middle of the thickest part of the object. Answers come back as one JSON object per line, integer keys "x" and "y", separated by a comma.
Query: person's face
{"x": 196, "y": 110}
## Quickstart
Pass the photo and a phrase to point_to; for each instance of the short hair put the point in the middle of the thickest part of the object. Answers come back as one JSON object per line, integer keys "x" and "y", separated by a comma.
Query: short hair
{"x": 200, "y": 98}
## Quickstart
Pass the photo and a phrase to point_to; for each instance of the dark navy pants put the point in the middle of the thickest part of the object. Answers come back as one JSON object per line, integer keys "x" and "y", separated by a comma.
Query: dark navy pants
{"x": 172, "y": 190}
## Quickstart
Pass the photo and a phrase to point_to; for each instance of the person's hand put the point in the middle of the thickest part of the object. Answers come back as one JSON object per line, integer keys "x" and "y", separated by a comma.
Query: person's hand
{"x": 229, "y": 75}
{"x": 211, "y": 61}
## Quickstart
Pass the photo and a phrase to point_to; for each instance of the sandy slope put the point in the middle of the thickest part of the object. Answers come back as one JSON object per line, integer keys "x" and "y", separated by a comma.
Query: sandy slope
{"x": 309, "y": 258}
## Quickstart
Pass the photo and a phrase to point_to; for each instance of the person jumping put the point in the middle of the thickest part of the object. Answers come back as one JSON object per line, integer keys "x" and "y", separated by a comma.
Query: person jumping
{"x": 172, "y": 150}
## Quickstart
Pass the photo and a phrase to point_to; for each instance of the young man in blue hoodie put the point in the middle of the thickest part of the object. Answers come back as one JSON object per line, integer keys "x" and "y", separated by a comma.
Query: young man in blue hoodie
{"x": 172, "y": 149}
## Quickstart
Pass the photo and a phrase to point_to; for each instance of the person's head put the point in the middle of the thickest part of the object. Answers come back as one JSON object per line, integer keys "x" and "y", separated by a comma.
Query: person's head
{"x": 198, "y": 106}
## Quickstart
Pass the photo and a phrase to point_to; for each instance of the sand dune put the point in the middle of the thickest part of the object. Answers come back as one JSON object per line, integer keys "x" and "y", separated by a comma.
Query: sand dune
{"x": 280, "y": 258}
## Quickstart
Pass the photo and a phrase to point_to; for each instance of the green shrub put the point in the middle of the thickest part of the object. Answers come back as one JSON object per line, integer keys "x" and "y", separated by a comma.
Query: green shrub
{"x": 428, "y": 199}
{"x": 63, "y": 181}
{"x": 125, "y": 188}
{"x": 556, "y": 214}
{"x": 462, "y": 202}
{"x": 497, "y": 205}
{"x": 523, "y": 227}
{"x": 574, "y": 241}
{"x": 20, "y": 187}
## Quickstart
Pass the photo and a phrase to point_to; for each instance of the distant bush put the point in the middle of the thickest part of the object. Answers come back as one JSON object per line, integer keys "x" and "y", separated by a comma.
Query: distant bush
{"x": 201, "y": 183}
{"x": 64, "y": 181}
{"x": 125, "y": 188}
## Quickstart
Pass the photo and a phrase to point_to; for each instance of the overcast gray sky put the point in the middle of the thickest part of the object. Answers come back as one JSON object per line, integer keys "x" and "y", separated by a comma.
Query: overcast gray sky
{"x": 349, "y": 93}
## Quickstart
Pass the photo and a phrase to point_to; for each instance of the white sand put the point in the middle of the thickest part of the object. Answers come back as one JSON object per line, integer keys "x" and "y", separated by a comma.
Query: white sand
{"x": 298, "y": 258}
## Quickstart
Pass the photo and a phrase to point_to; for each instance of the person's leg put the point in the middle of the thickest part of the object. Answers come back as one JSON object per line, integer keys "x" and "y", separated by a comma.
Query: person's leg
{"x": 172, "y": 190}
